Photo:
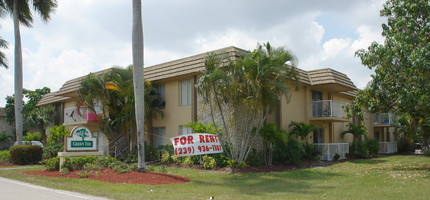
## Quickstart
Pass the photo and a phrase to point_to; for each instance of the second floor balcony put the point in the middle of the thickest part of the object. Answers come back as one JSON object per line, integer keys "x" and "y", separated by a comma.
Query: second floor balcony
{"x": 328, "y": 110}
{"x": 84, "y": 116}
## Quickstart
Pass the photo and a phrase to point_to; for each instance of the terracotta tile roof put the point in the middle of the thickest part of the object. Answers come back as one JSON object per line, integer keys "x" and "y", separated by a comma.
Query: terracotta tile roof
{"x": 329, "y": 76}
{"x": 51, "y": 98}
{"x": 184, "y": 66}
{"x": 324, "y": 78}
{"x": 2, "y": 113}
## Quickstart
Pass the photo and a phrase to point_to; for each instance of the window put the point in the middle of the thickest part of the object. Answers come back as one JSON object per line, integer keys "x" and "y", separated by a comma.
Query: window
{"x": 161, "y": 90}
{"x": 185, "y": 92}
{"x": 159, "y": 136}
{"x": 183, "y": 130}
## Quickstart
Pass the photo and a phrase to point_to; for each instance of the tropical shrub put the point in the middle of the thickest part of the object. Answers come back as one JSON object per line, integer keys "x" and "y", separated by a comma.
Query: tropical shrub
{"x": 373, "y": 146}
{"x": 52, "y": 164}
{"x": 67, "y": 164}
{"x": 51, "y": 149}
{"x": 294, "y": 152}
{"x": 311, "y": 152}
{"x": 188, "y": 161}
{"x": 78, "y": 163}
{"x": 165, "y": 158}
{"x": 4, "y": 156}
{"x": 57, "y": 134}
{"x": 404, "y": 145}
{"x": 26, "y": 154}
{"x": 254, "y": 158}
{"x": 360, "y": 152}
{"x": 336, "y": 157}
{"x": 36, "y": 136}
{"x": 209, "y": 162}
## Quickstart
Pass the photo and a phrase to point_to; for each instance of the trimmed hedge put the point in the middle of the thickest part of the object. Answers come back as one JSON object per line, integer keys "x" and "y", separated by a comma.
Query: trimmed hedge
{"x": 26, "y": 154}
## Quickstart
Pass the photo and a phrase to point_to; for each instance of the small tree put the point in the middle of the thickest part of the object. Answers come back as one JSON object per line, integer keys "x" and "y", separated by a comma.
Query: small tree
{"x": 356, "y": 131}
{"x": 302, "y": 129}
{"x": 271, "y": 137}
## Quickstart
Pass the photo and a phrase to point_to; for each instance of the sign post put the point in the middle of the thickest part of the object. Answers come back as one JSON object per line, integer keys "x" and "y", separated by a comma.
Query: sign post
{"x": 196, "y": 144}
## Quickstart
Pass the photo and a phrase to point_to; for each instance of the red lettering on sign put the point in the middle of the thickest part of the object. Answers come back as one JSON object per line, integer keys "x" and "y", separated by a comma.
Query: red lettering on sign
{"x": 176, "y": 141}
{"x": 202, "y": 138}
{"x": 211, "y": 138}
{"x": 190, "y": 139}
{"x": 183, "y": 140}
{"x": 216, "y": 138}
{"x": 207, "y": 138}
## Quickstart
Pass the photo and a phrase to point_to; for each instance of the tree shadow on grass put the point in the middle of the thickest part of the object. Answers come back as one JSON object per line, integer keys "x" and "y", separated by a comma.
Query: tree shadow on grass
{"x": 256, "y": 184}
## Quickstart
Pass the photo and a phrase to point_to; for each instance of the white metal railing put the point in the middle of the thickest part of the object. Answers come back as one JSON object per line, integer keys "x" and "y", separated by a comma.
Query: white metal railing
{"x": 388, "y": 147}
{"x": 328, "y": 108}
{"x": 383, "y": 118}
{"x": 328, "y": 150}
{"x": 71, "y": 115}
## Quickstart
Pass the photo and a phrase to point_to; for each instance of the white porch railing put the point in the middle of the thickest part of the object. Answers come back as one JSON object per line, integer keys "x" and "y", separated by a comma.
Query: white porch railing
{"x": 388, "y": 147}
{"x": 71, "y": 115}
{"x": 328, "y": 150}
{"x": 328, "y": 108}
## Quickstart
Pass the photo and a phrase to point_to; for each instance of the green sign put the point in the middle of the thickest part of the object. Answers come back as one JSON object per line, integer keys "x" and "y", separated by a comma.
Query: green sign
{"x": 81, "y": 139}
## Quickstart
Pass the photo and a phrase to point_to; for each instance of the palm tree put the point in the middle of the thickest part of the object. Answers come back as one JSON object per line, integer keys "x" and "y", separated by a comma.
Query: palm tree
{"x": 356, "y": 131}
{"x": 139, "y": 82}
{"x": 249, "y": 87}
{"x": 301, "y": 129}
{"x": 20, "y": 11}
{"x": 3, "y": 60}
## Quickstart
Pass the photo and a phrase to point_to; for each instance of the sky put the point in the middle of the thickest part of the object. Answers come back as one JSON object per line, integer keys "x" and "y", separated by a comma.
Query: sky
{"x": 86, "y": 36}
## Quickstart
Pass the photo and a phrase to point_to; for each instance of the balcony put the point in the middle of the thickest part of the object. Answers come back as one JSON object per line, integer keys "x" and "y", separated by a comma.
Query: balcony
{"x": 328, "y": 110}
{"x": 72, "y": 117}
{"x": 383, "y": 119}
{"x": 328, "y": 150}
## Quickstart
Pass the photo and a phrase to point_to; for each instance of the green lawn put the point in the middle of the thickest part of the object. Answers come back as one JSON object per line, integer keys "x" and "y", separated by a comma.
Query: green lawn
{"x": 390, "y": 177}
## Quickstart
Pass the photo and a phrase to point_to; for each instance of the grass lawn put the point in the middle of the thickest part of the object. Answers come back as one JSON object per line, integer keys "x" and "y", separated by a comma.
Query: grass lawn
{"x": 388, "y": 177}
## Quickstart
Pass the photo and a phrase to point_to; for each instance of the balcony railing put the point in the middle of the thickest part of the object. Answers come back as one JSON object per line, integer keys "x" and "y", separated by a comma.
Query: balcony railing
{"x": 387, "y": 147}
{"x": 328, "y": 150}
{"x": 328, "y": 108}
{"x": 383, "y": 119}
{"x": 71, "y": 115}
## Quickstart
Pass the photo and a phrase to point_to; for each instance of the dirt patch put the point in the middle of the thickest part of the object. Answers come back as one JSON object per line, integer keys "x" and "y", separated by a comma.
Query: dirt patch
{"x": 8, "y": 165}
{"x": 108, "y": 175}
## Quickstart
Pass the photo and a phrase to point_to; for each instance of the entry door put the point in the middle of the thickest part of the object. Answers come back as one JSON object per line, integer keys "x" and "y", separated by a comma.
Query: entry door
{"x": 316, "y": 104}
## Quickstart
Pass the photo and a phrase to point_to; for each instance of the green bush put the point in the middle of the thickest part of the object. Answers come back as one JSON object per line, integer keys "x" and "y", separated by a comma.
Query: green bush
{"x": 372, "y": 146}
{"x": 188, "y": 161}
{"x": 209, "y": 162}
{"x": 294, "y": 152}
{"x": 78, "y": 163}
{"x": 96, "y": 166}
{"x": 57, "y": 134}
{"x": 336, "y": 157}
{"x": 4, "y": 156}
{"x": 311, "y": 152}
{"x": 176, "y": 160}
{"x": 360, "y": 152}
{"x": 67, "y": 164}
{"x": 107, "y": 161}
{"x": 52, "y": 164}
{"x": 32, "y": 137}
{"x": 119, "y": 167}
{"x": 404, "y": 145}
{"x": 165, "y": 158}
{"x": 51, "y": 149}
{"x": 254, "y": 158}
{"x": 26, "y": 154}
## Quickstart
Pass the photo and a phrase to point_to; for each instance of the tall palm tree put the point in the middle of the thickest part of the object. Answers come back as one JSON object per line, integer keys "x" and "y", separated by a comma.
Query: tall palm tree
{"x": 301, "y": 129}
{"x": 20, "y": 10}
{"x": 139, "y": 82}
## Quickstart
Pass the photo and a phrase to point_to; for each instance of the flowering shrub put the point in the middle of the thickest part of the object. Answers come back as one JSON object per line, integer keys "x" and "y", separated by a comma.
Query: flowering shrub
{"x": 25, "y": 154}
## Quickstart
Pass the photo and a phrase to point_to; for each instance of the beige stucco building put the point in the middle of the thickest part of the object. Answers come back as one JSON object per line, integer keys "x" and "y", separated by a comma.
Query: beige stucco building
{"x": 319, "y": 100}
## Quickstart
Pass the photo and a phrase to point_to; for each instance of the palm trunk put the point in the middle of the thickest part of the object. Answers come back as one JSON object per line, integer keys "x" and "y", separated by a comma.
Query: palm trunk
{"x": 138, "y": 79}
{"x": 18, "y": 76}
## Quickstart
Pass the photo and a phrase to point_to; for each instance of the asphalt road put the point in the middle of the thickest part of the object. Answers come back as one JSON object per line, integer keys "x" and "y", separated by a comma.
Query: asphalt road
{"x": 16, "y": 190}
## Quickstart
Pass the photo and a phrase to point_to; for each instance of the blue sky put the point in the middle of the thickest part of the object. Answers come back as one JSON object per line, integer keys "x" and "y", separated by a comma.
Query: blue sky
{"x": 90, "y": 35}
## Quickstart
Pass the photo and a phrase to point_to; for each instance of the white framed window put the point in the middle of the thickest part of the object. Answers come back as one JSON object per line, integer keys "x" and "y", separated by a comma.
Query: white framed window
{"x": 184, "y": 130}
{"x": 185, "y": 92}
{"x": 159, "y": 136}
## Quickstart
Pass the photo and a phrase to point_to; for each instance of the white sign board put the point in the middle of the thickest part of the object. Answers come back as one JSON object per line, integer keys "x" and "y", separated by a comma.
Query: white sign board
{"x": 196, "y": 144}
{"x": 81, "y": 139}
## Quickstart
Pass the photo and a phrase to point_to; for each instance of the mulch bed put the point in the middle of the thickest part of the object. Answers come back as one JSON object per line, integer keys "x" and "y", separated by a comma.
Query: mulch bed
{"x": 8, "y": 165}
{"x": 109, "y": 175}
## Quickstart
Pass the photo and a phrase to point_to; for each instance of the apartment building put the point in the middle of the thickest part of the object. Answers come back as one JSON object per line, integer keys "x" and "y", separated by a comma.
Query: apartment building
{"x": 319, "y": 100}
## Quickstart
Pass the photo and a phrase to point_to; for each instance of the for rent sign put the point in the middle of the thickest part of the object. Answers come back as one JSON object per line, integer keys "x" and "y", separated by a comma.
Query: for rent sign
{"x": 196, "y": 144}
